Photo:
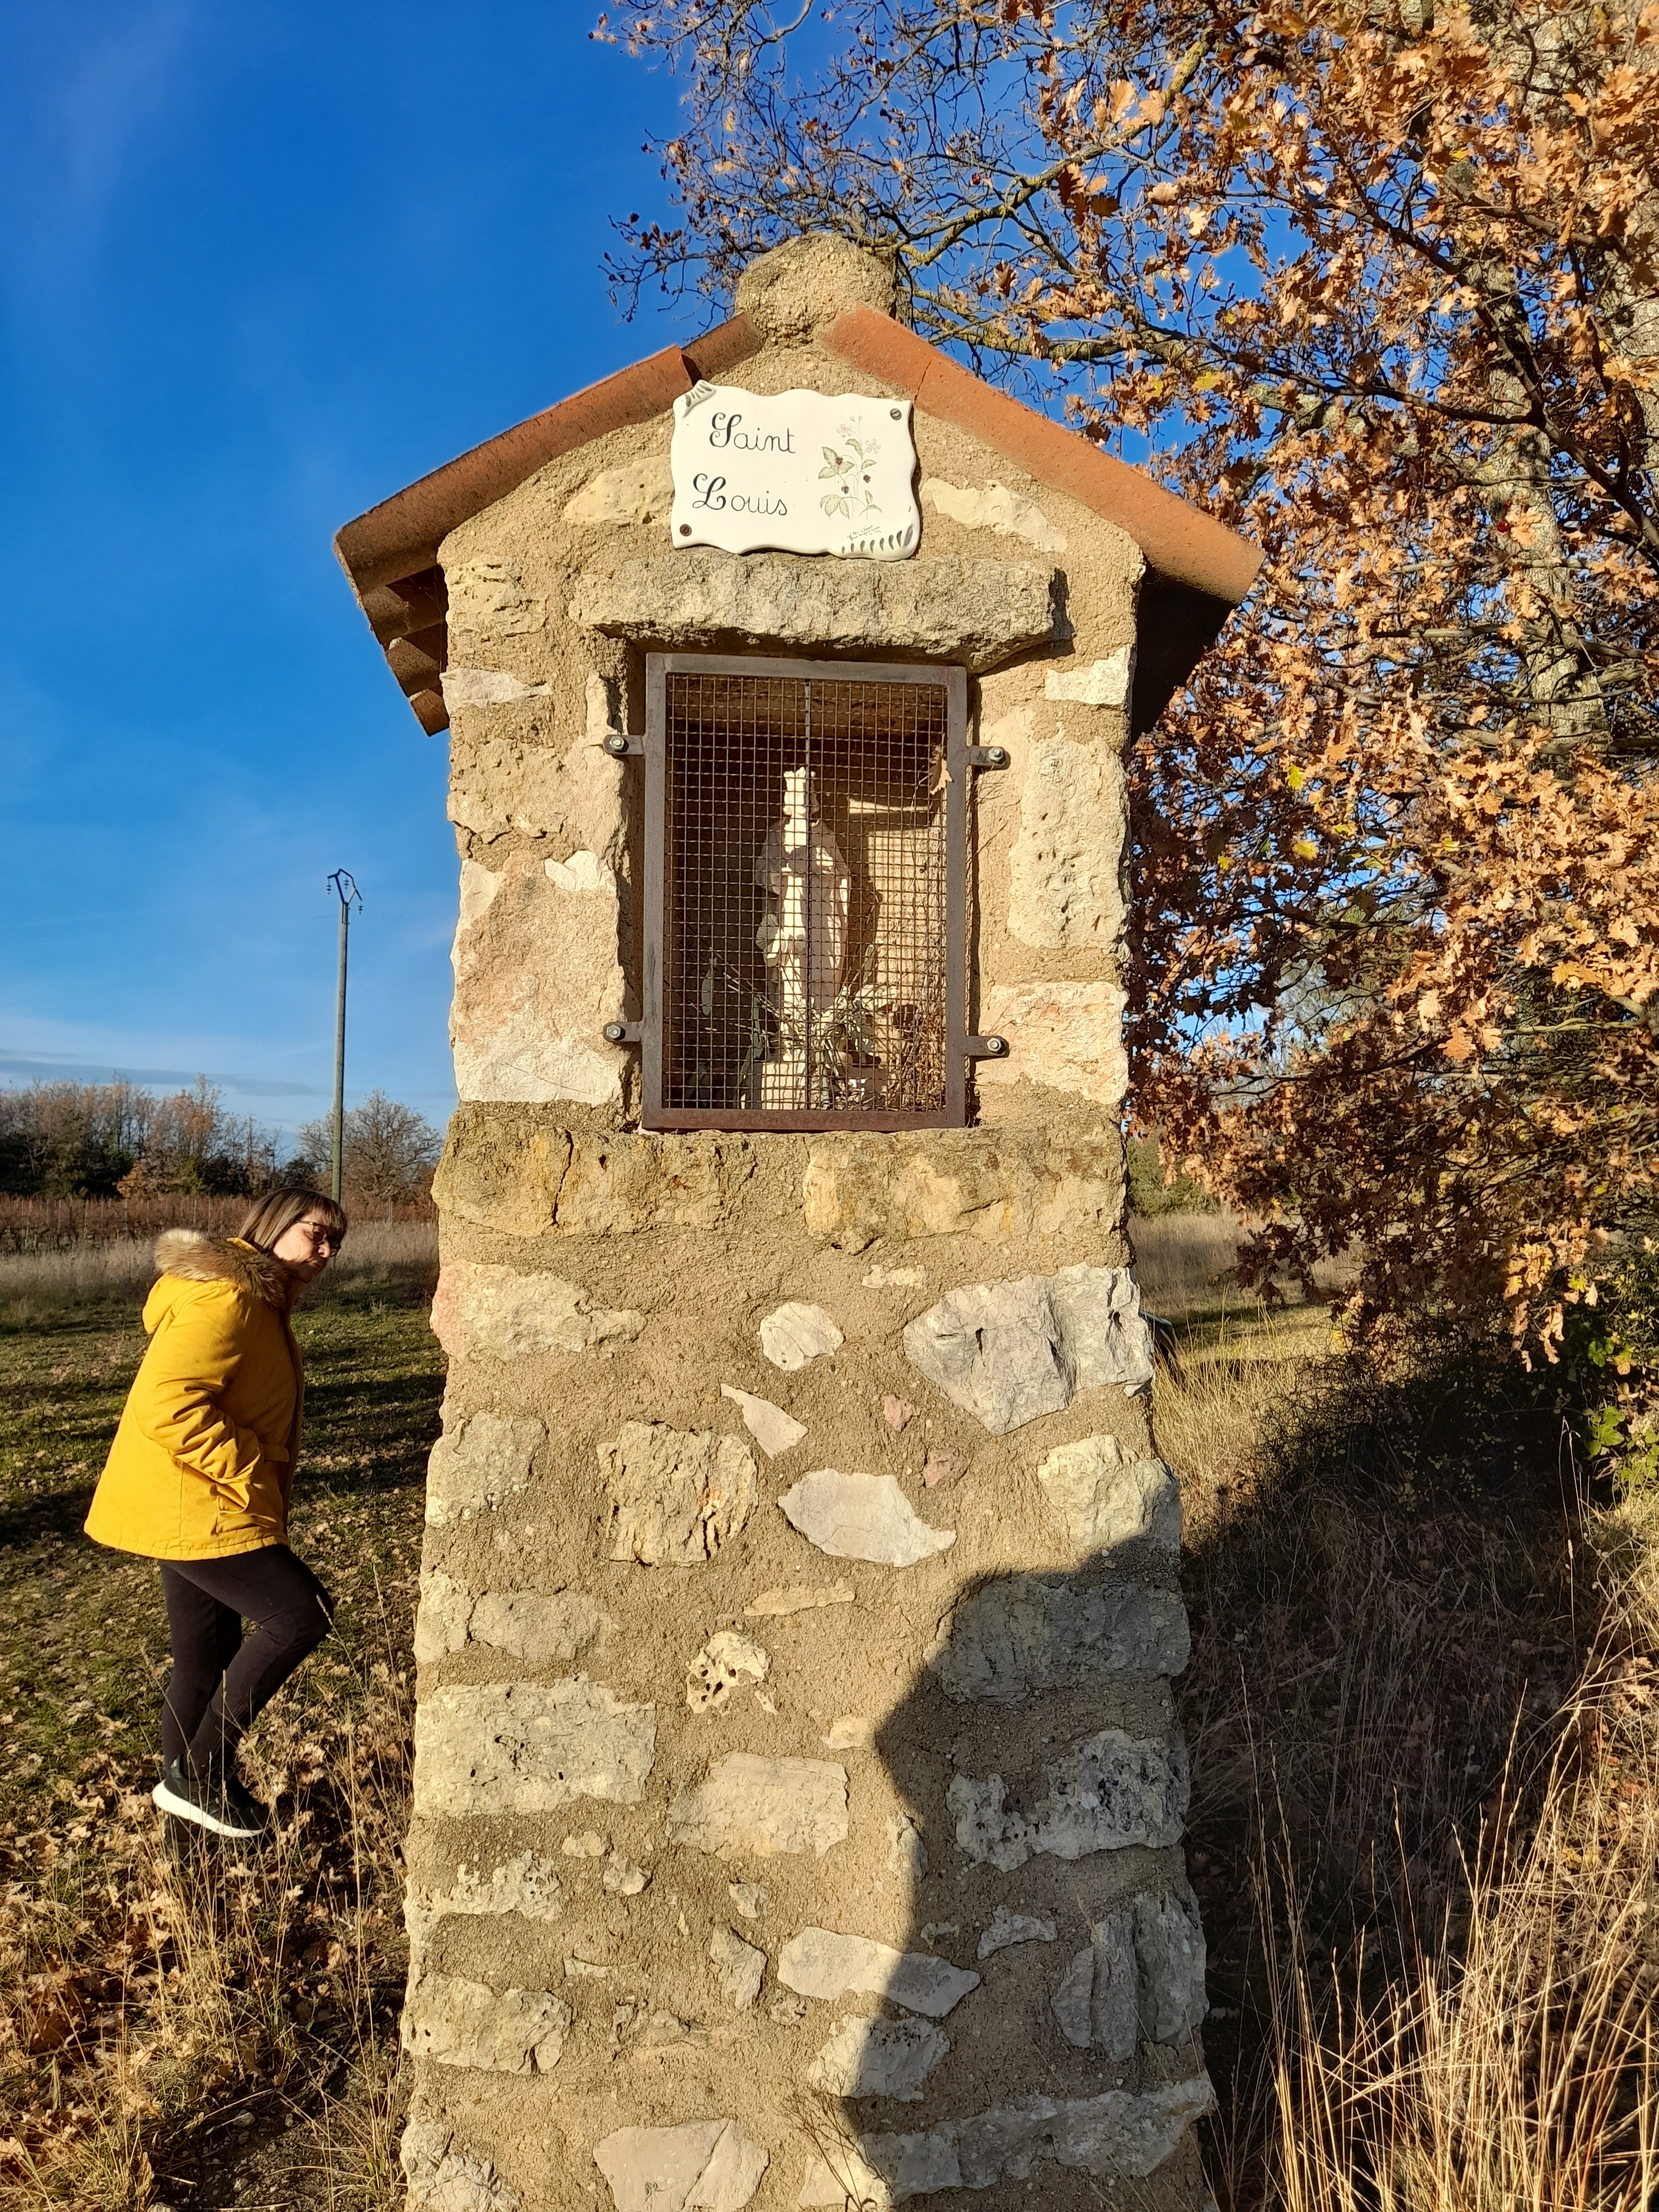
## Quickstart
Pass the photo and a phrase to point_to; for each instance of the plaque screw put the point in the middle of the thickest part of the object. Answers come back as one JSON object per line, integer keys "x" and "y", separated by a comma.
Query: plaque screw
{"x": 685, "y": 529}
{"x": 897, "y": 414}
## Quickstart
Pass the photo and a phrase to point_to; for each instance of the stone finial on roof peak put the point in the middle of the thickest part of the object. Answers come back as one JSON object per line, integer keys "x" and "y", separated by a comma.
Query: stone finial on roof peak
{"x": 797, "y": 287}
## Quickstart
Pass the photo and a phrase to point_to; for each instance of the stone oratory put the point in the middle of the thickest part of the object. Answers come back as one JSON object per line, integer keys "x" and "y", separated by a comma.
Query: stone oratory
{"x": 797, "y": 1804}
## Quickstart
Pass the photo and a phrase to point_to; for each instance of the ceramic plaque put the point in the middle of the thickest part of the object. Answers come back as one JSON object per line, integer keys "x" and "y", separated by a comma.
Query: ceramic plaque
{"x": 798, "y": 471}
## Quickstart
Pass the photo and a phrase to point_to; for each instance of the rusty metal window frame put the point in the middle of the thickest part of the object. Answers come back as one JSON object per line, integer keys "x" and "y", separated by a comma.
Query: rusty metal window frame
{"x": 952, "y": 682}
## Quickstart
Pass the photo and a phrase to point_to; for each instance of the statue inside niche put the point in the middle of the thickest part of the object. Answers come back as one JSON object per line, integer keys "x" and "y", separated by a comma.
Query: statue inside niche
{"x": 802, "y": 939}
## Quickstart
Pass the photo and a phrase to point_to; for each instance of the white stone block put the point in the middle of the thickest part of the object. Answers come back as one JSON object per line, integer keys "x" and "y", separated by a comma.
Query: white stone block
{"x": 632, "y": 492}
{"x": 1105, "y": 1331}
{"x": 1009, "y": 1928}
{"x": 444, "y": 2174}
{"x": 1065, "y": 887}
{"x": 1099, "y": 683}
{"x": 1105, "y": 1499}
{"x": 755, "y": 1807}
{"x": 487, "y": 599}
{"x": 551, "y": 1628}
{"x": 464, "y": 2023}
{"x": 773, "y": 1430}
{"x": 518, "y": 1748}
{"x": 907, "y": 1854}
{"x": 703, "y": 2166}
{"x": 440, "y": 1624}
{"x": 1019, "y": 1635}
{"x": 724, "y": 1661}
{"x": 1095, "y": 2004}
{"x": 488, "y": 687}
{"x": 1066, "y": 1037}
{"x": 862, "y": 1516}
{"x": 478, "y": 1465}
{"x": 821, "y": 1963}
{"x": 677, "y": 1497}
{"x": 1170, "y": 1960}
{"x": 504, "y": 1314}
{"x": 800, "y": 1597}
{"x": 795, "y": 1334}
{"x": 536, "y": 978}
{"x": 526, "y": 1885}
{"x": 878, "y": 2058}
{"x": 994, "y": 508}
{"x": 996, "y": 1350}
{"x": 1115, "y": 2136}
{"x": 1114, "y": 1791}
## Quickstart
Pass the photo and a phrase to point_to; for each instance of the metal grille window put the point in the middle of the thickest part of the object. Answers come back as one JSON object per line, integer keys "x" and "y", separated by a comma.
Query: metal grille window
{"x": 805, "y": 966}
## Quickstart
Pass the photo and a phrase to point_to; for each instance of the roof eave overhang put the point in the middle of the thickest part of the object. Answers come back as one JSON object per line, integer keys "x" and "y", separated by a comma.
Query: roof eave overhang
{"x": 1197, "y": 569}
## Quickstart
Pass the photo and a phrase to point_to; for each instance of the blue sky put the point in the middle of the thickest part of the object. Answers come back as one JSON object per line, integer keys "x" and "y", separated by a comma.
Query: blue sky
{"x": 259, "y": 267}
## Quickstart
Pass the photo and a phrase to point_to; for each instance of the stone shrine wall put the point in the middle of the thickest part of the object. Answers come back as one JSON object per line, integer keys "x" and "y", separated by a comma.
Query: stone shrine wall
{"x": 797, "y": 1804}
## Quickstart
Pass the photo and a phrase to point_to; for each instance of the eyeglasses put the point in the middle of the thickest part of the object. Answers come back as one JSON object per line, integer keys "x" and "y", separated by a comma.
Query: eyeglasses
{"x": 320, "y": 1234}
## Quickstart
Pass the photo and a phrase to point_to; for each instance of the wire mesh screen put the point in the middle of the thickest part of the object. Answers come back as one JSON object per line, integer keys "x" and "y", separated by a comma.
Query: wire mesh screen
{"x": 807, "y": 908}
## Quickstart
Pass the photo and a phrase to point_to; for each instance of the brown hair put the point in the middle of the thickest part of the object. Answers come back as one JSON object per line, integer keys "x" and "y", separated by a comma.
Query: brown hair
{"x": 279, "y": 1209}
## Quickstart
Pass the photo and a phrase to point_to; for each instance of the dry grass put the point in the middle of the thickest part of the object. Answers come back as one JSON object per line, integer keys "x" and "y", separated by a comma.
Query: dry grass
{"x": 375, "y": 1252}
{"x": 207, "y": 2029}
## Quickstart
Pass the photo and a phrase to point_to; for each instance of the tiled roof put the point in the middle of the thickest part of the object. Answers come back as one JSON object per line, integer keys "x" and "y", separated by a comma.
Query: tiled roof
{"x": 1197, "y": 569}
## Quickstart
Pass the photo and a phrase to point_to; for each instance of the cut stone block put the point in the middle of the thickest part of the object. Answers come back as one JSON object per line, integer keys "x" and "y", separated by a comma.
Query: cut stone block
{"x": 440, "y": 1624}
{"x": 800, "y": 1597}
{"x": 878, "y": 2058}
{"x": 676, "y": 1496}
{"x": 795, "y": 1334}
{"x": 1170, "y": 1961}
{"x": 488, "y": 687}
{"x": 820, "y": 1963}
{"x": 479, "y": 1464}
{"x": 1008, "y": 1353}
{"x": 527, "y": 1885}
{"x": 1105, "y": 1331}
{"x": 1116, "y": 2137}
{"x": 487, "y": 599}
{"x": 1065, "y": 891}
{"x": 1021, "y": 1634}
{"x": 1065, "y": 1037}
{"x": 507, "y": 1315}
{"x": 536, "y": 978}
{"x": 718, "y": 1668}
{"x": 979, "y": 612}
{"x": 446, "y": 2175}
{"x": 1096, "y": 2002}
{"x": 1106, "y": 1500}
{"x": 573, "y": 797}
{"x": 861, "y": 1517}
{"x": 773, "y": 1430}
{"x": 1008, "y": 1927}
{"x": 992, "y": 1185}
{"x": 633, "y": 491}
{"x": 995, "y": 508}
{"x": 704, "y": 2165}
{"x": 1097, "y": 683}
{"x": 546, "y": 1629}
{"x": 517, "y": 1748}
{"x": 463, "y": 2023}
{"x": 741, "y": 1967}
{"x": 996, "y": 1350}
{"x": 1114, "y": 1791}
{"x": 748, "y": 1806}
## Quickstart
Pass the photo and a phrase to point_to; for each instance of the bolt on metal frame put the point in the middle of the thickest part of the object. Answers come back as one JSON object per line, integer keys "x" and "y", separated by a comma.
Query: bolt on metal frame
{"x": 882, "y": 1042}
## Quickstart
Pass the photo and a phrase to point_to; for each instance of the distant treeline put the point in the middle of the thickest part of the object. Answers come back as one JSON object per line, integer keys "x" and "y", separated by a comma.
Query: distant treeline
{"x": 108, "y": 1140}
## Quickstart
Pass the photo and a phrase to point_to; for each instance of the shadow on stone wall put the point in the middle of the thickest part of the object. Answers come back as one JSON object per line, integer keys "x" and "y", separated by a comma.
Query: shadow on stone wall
{"x": 1038, "y": 2029}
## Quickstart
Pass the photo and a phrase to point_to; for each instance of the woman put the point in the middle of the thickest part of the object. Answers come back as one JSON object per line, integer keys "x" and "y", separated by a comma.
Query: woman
{"x": 199, "y": 1478}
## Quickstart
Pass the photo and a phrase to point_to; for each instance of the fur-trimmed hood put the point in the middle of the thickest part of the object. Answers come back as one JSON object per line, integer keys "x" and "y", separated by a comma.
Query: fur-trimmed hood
{"x": 198, "y": 1259}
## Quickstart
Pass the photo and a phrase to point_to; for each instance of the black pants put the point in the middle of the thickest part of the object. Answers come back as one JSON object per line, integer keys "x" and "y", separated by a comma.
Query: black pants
{"x": 220, "y": 1682}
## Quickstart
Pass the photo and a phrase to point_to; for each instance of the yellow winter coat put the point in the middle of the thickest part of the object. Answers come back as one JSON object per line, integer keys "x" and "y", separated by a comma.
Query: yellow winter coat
{"x": 202, "y": 1462}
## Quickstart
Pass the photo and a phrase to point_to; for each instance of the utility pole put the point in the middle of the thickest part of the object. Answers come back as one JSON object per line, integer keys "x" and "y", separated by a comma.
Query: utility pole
{"x": 344, "y": 885}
